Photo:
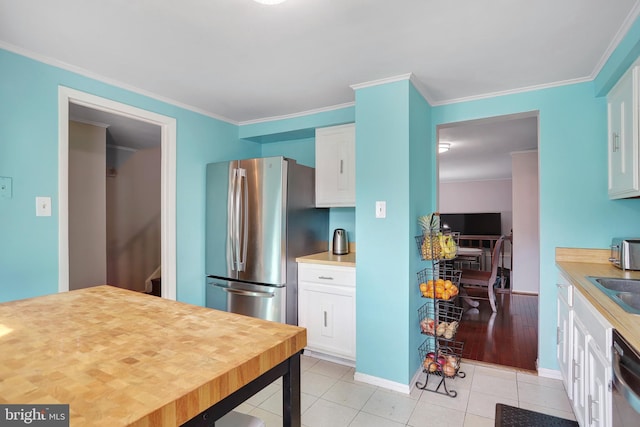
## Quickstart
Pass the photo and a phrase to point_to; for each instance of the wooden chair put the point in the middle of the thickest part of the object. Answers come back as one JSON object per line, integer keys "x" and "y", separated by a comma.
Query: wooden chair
{"x": 484, "y": 279}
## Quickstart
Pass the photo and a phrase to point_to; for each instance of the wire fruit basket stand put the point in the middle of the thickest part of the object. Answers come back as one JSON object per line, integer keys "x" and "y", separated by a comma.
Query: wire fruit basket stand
{"x": 439, "y": 316}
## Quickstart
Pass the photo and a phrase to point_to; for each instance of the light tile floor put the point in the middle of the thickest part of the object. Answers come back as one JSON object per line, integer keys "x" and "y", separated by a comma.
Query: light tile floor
{"x": 331, "y": 398}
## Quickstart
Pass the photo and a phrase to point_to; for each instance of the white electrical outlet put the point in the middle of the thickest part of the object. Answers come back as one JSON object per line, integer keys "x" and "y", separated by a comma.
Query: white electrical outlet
{"x": 381, "y": 209}
{"x": 43, "y": 206}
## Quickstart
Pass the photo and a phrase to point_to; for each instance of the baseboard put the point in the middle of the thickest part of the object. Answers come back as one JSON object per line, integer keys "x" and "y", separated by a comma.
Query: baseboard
{"x": 329, "y": 358}
{"x": 550, "y": 373}
{"x": 381, "y": 382}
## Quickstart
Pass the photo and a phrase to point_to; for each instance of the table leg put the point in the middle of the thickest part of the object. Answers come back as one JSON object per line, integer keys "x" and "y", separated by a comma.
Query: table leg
{"x": 291, "y": 416}
{"x": 289, "y": 370}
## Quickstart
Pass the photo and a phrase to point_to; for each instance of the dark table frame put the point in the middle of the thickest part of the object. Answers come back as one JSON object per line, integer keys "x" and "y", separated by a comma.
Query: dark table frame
{"x": 289, "y": 370}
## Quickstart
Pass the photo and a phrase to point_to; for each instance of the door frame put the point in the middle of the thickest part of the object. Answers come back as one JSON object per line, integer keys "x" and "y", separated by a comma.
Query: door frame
{"x": 168, "y": 127}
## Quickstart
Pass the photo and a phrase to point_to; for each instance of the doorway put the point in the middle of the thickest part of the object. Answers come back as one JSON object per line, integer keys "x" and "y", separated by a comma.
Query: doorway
{"x": 167, "y": 125}
{"x": 490, "y": 169}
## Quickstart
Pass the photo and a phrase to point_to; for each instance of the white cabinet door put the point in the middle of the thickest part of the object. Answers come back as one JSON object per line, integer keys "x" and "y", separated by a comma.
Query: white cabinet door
{"x": 327, "y": 313}
{"x": 327, "y": 308}
{"x": 579, "y": 370}
{"x": 336, "y": 166}
{"x": 622, "y": 110}
{"x": 564, "y": 343}
{"x": 598, "y": 406}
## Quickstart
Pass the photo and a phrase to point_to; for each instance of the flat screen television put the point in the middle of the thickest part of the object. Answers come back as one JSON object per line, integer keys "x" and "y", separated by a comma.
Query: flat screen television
{"x": 473, "y": 223}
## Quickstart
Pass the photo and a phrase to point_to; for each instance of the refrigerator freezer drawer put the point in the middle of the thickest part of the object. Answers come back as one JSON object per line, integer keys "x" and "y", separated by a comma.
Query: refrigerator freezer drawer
{"x": 263, "y": 302}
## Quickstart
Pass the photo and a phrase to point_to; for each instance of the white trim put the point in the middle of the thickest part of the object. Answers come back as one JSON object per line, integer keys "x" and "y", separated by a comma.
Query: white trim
{"x": 615, "y": 42}
{"x": 90, "y": 122}
{"x": 329, "y": 358}
{"x": 513, "y": 91}
{"x": 381, "y": 382}
{"x": 86, "y": 73}
{"x": 534, "y": 150}
{"x": 168, "y": 180}
{"x": 383, "y": 81}
{"x": 550, "y": 373}
{"x": 300, "y": 114}
{"x": 120, "y": 147}
{"x": 409, "y": 76}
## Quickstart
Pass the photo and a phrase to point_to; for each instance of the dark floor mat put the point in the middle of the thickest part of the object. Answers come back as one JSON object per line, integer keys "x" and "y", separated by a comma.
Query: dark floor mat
{"x": 510, "y": 416}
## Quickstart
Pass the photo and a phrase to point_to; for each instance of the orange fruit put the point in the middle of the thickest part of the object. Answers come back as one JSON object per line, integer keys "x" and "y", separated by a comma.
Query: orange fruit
{"x": 423, "y": 287}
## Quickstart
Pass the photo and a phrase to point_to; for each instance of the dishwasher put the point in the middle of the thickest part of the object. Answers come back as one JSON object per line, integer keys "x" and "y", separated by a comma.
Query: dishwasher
{"x": 626, "y": 383}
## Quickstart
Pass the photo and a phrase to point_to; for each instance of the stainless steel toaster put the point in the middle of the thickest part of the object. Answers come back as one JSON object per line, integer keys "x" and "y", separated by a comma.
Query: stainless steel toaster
{"x": 625, "y": 253}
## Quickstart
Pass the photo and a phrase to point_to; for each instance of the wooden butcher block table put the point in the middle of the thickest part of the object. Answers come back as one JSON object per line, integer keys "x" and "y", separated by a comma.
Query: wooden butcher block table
{"x": 122, "y": 358}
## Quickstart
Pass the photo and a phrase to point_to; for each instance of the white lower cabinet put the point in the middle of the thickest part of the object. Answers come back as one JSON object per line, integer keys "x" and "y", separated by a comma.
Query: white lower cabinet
{"x": 579, "y": 370}
{"x": 327, "y": 308}
{"x": 564, "y": 334}
{"x": 598, "y": 403}
{"x": 585, "y": 364}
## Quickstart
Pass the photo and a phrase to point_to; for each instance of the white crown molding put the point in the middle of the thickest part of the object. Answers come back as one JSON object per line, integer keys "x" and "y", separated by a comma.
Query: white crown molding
{"x": 513, "y": 91}
{"x": 300, "y": 114}
{"x": 121, "y": 147}
{"x": 409, "y": 76}
{"x": 383, "y": 81}
{"x": 86, "y": 73}
{"x": 622, "y": 31}
{"x": 535, "y": 150}
{"x": 89, "y": 122}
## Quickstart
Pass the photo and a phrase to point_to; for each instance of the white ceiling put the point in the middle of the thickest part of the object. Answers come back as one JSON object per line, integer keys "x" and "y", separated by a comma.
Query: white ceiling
{"x": 244, "y": 62}
{"x": 481, "y": 149}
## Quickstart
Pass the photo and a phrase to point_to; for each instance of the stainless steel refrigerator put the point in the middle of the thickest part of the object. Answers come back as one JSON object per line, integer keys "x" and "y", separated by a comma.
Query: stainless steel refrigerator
{"x": 260, "y": 216}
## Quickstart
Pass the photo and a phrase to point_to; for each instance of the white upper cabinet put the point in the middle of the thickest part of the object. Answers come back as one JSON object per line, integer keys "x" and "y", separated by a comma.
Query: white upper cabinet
{"x": 336, "y": 166}
{"x": 622, "y": 110}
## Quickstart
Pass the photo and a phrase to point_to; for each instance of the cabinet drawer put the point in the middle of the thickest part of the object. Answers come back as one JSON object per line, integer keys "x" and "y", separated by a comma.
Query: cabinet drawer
{"x": 565, "y": 290}
{"x": 596, "y": 325}
{"x": 329, "y": 275}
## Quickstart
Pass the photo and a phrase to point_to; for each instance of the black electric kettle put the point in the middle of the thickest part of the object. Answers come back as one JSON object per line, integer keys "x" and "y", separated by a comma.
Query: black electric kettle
{"x": 340, "y": 242}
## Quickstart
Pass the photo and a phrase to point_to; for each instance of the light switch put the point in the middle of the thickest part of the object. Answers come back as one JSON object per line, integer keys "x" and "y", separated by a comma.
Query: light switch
{"x": 5, "y": 187}
{"x": 43, "y": 206}
{"x": 381, "y": 209}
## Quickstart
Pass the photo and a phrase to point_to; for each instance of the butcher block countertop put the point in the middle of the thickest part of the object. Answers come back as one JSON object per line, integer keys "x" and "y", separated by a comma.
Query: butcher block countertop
{"x": 328, "y": 258}
{"x": 121, "y": 358}
{"x": 577, "y": 264}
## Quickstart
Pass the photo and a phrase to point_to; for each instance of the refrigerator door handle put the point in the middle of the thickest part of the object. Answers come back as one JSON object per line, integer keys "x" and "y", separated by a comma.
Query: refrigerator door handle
{"x": 244, "y": 211}
{"x": 231, "y": 215}
{"x": 248, "y": 293}
{"x": 237, "y": 184}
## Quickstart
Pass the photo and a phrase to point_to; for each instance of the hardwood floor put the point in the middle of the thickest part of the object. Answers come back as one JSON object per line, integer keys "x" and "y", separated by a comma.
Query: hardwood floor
{"x": 508, "y": 337}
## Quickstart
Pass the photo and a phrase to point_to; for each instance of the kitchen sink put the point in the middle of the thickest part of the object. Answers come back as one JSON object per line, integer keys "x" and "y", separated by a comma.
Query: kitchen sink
{"x": 624, "y": 292}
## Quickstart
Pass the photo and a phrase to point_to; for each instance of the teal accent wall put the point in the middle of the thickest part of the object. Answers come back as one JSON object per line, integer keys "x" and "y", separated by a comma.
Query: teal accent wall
{"x": 627, "y": 51}
{"x": 389, "y": 141}
{"x": 299, "y": 127}
{"x": 422, "y": 155}
{"x": 29, "y": 154}
{"x": 304, "y": 152}
{"x": 574, "y": 207}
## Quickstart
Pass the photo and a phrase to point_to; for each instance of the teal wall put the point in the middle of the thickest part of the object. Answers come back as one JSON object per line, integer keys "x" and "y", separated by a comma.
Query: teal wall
{"x": 303, "y": 151}
{"x": 29, "y": 155}
{"x": 422, "y": 189}
{"x": 385, "y": 300}
{"x": 395, "y": 160}
{"x": 574, "y": 207}
{"x": 575, "y": 210}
